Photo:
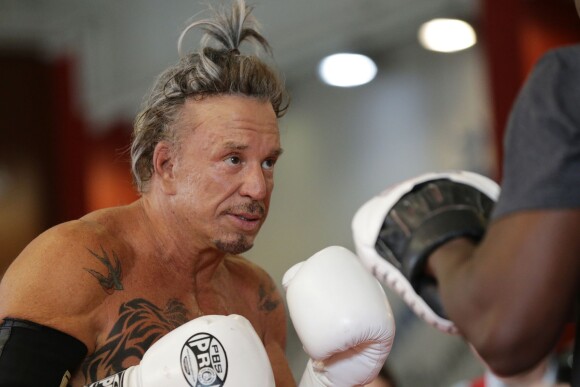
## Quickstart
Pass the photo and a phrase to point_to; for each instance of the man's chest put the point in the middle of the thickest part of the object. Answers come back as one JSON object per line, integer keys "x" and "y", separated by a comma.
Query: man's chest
{"x": 134, "y": 324}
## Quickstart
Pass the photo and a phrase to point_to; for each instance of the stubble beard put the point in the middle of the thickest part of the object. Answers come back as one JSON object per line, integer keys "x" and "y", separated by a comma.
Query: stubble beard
{"x": 235, "y": 247}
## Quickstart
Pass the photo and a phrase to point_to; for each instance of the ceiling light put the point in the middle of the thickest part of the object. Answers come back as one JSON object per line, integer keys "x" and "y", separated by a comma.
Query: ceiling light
{"x": 347, "y": 70}
{"x": 446, "y": 35}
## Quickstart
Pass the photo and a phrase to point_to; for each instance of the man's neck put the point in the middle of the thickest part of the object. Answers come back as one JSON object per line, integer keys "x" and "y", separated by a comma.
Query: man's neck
{"x": 176, "y": 251}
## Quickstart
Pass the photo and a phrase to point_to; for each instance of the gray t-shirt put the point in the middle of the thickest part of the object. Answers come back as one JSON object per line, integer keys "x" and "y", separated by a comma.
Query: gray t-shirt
{"x": 542, "y": 145}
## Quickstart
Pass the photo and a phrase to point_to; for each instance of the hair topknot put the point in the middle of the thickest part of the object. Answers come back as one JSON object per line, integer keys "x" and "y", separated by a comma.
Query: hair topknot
{"x": 229, "y": 30}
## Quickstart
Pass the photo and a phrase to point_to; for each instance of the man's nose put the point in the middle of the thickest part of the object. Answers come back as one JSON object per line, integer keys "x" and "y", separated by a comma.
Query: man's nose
{"x": 255, "y": 184}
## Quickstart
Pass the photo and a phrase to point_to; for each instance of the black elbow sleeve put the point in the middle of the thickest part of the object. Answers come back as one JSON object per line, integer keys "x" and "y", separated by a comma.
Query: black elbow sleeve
{"x": 33, "y": 355}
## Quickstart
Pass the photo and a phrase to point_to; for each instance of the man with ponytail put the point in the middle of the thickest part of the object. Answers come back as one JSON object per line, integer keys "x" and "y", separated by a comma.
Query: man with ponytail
{"x": 156, "y": 293}
{"x": 86, "y": 299}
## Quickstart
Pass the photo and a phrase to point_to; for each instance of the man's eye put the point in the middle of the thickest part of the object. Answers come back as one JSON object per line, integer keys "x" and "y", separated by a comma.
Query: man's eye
{"x": 234, "y": 160}
{"x": 268, "y": 164}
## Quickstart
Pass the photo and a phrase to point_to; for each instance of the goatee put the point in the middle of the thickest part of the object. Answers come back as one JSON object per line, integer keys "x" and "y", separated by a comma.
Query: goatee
{"x": 236, "y": 247}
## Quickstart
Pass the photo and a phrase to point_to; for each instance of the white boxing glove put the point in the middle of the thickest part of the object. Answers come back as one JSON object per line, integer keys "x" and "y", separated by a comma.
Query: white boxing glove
{"x": 208, "y": 351}
{"x": 342, "y": 317}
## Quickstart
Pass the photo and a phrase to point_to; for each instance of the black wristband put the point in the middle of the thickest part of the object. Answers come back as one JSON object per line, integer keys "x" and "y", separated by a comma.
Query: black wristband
{"x": 33, "y": 355}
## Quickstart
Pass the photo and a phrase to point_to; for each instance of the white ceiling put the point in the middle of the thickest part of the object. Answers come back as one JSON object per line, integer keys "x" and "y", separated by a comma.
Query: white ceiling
{"x": 123, "y": 44}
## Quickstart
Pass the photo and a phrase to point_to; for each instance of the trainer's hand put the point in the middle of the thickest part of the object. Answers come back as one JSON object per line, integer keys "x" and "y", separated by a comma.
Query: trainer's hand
{"x": 342, "y": 317}
{"x": 395, "y": 232}
{"x": 208, "y": 351}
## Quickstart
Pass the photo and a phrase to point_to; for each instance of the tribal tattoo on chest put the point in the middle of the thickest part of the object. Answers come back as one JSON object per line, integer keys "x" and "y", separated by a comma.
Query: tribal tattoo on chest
{"x": 141, "y": 323}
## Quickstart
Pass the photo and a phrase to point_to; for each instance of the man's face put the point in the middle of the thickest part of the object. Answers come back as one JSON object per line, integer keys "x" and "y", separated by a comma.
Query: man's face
{"x": 224, "y": 169}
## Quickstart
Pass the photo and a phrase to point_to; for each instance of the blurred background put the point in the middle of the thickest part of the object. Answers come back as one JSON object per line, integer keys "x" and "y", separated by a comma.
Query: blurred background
{"x": 73, "y": 74}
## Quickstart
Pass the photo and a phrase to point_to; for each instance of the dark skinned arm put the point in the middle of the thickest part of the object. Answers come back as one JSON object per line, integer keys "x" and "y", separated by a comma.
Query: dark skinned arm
{"x": 512, "y": 294}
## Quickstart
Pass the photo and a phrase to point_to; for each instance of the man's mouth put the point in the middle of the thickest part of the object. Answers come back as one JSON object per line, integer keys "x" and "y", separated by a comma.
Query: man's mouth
{"x": 248, "y": 217}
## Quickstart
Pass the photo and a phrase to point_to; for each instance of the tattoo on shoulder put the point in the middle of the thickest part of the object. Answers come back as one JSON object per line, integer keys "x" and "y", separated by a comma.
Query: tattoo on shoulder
{"x": 110, "y": 281}
{"x": 268, "y": 298}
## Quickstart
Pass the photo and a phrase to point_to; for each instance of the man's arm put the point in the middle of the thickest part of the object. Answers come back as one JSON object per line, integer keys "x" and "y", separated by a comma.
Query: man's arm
{"x": 47, "y": 300}
{"x": 271, "y": 307}
{"x": 518, "y": 282}
{"x": 282, "y": 372}
{"x": 50, "y": 281}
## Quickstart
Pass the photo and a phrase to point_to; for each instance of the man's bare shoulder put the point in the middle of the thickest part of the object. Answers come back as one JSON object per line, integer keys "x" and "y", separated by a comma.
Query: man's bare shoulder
{"x": 63, "y": 275}
{"x": 249, "y": 271}
{"x": 267, "y": 295}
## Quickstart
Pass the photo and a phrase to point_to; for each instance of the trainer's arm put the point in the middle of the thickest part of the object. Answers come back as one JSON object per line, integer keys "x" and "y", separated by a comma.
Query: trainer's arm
{"x": 517, "y": 292}
{"x": 510, "y": 296}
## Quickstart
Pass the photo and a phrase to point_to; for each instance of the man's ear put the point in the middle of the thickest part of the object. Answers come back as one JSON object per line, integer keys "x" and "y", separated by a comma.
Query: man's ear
{"x": 163, "y": 163}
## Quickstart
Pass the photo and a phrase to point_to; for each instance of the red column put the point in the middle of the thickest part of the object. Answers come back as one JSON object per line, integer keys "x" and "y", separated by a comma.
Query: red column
{"x": 70, "y": 143}
{"x": 503, "y": 52}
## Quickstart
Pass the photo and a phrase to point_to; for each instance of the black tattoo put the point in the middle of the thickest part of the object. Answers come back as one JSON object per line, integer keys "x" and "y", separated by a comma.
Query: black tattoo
{"x": 112, "y": 281}
{"x": 268, "y": 302}
{"x": 140, "y": 324}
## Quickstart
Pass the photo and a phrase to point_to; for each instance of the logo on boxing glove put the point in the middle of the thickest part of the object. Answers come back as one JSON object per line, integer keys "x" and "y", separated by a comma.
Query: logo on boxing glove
{"x": 111, "y": 381}
{"x": 203, "y": 361}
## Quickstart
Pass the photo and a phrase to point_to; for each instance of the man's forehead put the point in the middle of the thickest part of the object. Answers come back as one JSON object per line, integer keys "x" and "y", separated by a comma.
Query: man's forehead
{"x": 229, "y": 119}
{"x": 235, "y": 139}
{"x": 239, "y": 133}
{"x": 229, "y": 108}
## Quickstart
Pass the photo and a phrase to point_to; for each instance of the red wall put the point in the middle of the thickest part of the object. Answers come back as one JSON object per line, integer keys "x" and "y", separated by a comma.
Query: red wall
{"x": 515, "y": 34}
{"x": 108, "y": 179}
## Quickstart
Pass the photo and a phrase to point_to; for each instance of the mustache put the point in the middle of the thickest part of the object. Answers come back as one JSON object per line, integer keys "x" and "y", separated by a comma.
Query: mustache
{"x": 253, "y": 207}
